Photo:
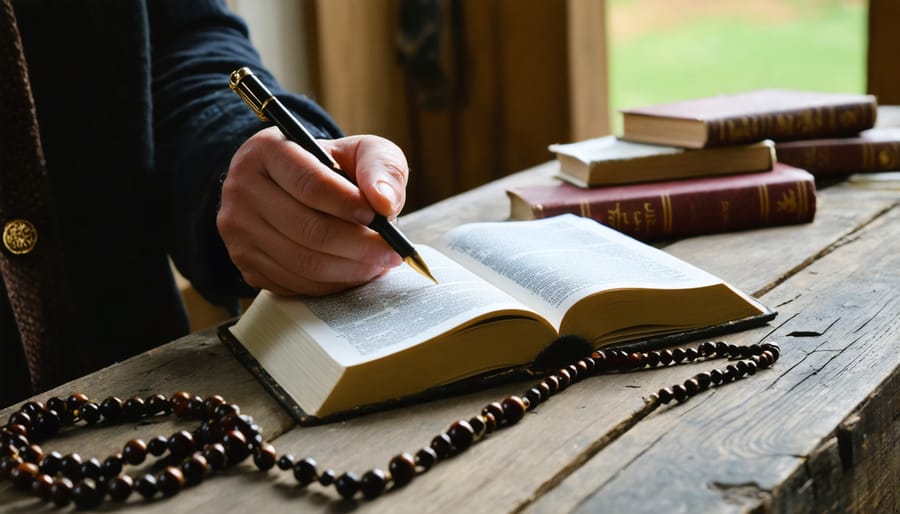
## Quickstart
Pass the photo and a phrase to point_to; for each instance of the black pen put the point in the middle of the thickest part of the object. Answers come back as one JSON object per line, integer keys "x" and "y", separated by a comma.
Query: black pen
{"x": 268, "y": 108}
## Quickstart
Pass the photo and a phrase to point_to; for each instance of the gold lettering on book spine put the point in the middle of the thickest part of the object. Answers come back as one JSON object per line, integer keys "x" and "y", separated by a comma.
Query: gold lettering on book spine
{"x": 636, "y": 221}
{"x": 794, "y": 201}
{"x": 763, "y": 203}
{"x": 667, "y": 214}
{"x": 887, "y": 157}
{"x": 791, "y": 124}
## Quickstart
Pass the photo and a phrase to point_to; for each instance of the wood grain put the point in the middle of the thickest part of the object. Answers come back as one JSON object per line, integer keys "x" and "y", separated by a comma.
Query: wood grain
{"x": 772, "y": 441}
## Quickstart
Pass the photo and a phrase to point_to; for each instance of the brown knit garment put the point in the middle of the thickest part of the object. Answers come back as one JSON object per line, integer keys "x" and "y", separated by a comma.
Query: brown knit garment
{"x": 34, "y": 281}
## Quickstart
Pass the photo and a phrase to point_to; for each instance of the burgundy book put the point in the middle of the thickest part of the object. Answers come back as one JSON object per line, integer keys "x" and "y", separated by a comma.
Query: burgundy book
{"x": 776, "y": 114}
{"x": 876, "y": 149}
{"x": 664, "y": 210}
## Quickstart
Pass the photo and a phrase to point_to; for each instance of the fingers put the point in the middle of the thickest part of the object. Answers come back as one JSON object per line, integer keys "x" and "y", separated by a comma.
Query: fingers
{"x": 293, "y": 226}
{"x": 377, "y": 166}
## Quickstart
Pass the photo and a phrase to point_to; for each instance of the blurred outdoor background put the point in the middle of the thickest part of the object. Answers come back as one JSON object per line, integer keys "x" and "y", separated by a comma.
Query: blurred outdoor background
{"x": 664, "y": 50}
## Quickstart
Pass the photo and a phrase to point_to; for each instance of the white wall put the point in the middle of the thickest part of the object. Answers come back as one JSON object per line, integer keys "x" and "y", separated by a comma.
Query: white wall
{"x": 276, "y": 29}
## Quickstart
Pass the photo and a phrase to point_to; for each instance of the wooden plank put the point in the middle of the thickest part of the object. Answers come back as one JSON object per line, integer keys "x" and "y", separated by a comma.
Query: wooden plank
{"x": 805, "y": 437}
{"x": 588, "y": 69}
{"x": 505, "y": 472}
{"x": 882, "y": 75}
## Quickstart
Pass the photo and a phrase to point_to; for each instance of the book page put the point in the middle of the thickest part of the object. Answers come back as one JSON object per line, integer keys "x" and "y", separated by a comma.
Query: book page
{"x": 399, "y": 310}
{"x": 551, "y": 263}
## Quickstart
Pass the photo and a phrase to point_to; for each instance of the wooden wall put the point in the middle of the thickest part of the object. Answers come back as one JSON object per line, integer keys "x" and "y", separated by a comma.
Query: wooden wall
{"x": 883, "y": 66}
{"x": 521, "y": 74}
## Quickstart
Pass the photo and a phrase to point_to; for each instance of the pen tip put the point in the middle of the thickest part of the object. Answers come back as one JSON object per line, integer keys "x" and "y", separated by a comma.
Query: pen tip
{"x": 416, "y": 262}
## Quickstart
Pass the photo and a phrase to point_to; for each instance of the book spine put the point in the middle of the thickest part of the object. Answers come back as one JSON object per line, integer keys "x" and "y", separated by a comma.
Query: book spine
{"x": 823, "y": 160}
{"x": 818, "y": 122}
{"x": 665, "y": 215}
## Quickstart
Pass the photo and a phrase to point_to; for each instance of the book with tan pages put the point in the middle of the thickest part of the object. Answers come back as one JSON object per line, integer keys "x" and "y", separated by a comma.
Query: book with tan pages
{"x": 610, "y": 160}
{"x": 506, "y": 291}
{"x": 776, "y": 114}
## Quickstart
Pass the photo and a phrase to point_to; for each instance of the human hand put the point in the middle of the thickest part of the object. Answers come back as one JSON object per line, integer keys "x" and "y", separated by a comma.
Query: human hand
{"x": 293, "y": 226}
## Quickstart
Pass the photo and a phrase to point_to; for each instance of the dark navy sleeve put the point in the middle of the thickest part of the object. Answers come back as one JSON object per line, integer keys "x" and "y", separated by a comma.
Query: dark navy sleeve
{"x": 198, "y": 125}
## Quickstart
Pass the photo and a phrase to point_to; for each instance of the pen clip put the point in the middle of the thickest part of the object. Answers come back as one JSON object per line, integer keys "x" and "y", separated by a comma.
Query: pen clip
{"x": 237, "y": 84}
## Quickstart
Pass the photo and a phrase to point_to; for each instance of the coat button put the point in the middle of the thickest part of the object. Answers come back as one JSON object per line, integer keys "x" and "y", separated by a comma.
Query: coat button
{"x": 19, "y": 236}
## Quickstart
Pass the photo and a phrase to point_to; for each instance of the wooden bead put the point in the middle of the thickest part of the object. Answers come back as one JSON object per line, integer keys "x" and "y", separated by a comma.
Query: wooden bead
{"x": 157, "y": 404}
{"x": 691, "y": 354}
{"x": 637, "y": 360}
{"x": 170, "y": 481}
{"x": 327, "y": 477}
{"x": 564, "y": 377}
{"x": 134, "y": 451}
{"x": 41, "y": 485}
{"x": 425, "y": 458}
{"x": 61, "y": 491}
{"x": 552, "y": 383}
{"x": 285, "y": 462}
{"x": 179, "y": 403}
{"x": 461, "y": 435}
{"x": 147, "y": 486}
{"x": 89, "y": 412}
{"x": 691, "y": 386}
{"x": 347, "y": 484}
{"x": 236, "y": 447}
{"x": 23, "y": 475}
{"x": 666, "y": 357}
{"x": 120, "y": 488}
{"x": 215, "y": 456}
{"x": 479, "y": 426}
{"x": 133, "y": 409}
{"x": 372, "y": 483}
{"x": 665, "y": 395}
{"x": 402, "y": 469}
{"x": 195, "y": 468}
{"x": 47, "y": 423}
{"x": 442, "y": 445}
{"x": 513, "y": 409}
{"x": 71, "y": 466}
{"x": 679, "y": 392}
{"x": 86, "y": 495}
{"x": 653, "y": 359}
{"x": 264, "y": 457}
{"x": 181, "y": 444}
{"x": 51, "y": 463}
{"x": 92, "y": 469}
{"x": 112, "y": 466}
{"x": 305, "y": 471}
{"x": 111, "y": 409}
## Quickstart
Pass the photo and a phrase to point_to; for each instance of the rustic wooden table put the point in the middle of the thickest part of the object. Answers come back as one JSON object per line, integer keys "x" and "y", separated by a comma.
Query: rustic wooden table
{"x": 817, "y": 433}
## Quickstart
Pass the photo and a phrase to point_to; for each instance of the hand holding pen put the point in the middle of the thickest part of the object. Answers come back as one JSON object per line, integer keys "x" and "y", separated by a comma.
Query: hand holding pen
{"x": 293, "y": 225}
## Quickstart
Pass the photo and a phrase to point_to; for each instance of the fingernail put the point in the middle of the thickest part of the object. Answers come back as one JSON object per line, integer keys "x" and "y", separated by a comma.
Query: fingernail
{"x": 386, "y": 190}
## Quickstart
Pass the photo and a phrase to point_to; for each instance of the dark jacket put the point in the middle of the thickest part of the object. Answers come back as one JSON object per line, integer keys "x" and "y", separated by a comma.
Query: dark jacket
{"x": 138, "y": 126}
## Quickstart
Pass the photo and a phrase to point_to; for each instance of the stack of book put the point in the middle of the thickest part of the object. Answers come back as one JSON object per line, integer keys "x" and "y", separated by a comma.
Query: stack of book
{"x": 714, "y": 164}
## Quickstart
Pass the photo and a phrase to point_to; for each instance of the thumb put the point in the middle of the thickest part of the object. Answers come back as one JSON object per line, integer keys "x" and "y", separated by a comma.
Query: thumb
{"x": 379, "y": 169}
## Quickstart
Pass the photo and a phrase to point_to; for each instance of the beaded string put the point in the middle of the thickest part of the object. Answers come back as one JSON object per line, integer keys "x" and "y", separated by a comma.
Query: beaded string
{"x": 225, "y": 437}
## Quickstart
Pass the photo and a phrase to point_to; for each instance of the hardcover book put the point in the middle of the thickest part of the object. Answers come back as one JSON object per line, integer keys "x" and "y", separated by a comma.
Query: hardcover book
{"x": 679, "y": 208}
{"x": 776, "y": 114}
{"x": 876, "y": 149}
{"x": 506, "y": 291}
{"x": 609, "y": 160}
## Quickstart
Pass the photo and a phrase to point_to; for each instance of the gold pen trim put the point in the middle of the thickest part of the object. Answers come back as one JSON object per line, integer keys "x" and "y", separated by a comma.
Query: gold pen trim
{"x": 236, "y": 83}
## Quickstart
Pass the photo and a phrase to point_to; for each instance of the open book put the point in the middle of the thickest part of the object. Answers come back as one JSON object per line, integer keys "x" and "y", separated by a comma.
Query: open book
{"x": 506, "y": 290}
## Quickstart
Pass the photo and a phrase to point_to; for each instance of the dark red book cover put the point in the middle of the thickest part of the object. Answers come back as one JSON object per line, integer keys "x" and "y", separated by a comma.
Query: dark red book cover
{"x": 664, "y": 210}
{"x": 876, "y": 149}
